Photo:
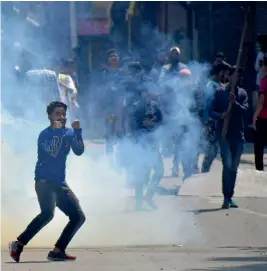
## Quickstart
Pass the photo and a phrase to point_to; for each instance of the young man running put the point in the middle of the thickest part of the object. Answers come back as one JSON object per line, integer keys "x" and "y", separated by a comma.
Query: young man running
{"x": 54, "y": 144}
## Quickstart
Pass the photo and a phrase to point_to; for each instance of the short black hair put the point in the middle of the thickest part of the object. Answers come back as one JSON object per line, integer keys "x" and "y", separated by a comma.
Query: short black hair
{"x": 112, "y": 51}
{"x": 220, "y": 54}
{"x": 222, "y": 66}
{"x": 51, "y": 107}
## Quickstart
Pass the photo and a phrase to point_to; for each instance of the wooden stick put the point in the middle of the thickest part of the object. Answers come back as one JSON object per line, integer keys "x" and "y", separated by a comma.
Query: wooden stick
{"x": 234, "y": 83}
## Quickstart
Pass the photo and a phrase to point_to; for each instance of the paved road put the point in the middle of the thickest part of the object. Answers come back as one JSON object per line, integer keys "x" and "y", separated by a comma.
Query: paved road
{"x": 211, "y": 239}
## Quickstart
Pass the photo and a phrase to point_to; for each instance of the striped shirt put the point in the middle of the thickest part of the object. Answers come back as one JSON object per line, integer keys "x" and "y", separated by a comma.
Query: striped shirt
{"x": 43, "y": 85}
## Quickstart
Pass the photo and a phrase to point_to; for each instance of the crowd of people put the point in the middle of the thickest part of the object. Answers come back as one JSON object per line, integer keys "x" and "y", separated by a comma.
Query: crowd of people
{"x": 147, "y": 114}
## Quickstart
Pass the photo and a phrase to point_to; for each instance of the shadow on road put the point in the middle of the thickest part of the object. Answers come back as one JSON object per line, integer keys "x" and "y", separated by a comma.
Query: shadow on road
{"x": 249, "y": 267}
{"x": 251, "y": 249}
{"x": 200, "y": 211}
{"x": 254, "y": 263}
{"x": 241, "y": 259}
{"x": 29, "y": 262}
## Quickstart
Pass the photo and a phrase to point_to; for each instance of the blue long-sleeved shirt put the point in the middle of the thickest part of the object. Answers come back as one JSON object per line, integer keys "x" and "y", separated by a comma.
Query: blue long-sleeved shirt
{"x": 239, "y": 110}
{"x": 53, "y": 148}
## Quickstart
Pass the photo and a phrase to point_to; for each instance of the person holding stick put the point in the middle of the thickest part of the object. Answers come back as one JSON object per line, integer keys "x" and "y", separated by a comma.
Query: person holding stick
{"x": 231, "y": 145}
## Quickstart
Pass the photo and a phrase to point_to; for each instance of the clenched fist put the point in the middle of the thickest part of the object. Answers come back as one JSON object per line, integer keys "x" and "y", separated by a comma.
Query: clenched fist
{"x": 76, "y": 124}
{"x": 57, "y": 124}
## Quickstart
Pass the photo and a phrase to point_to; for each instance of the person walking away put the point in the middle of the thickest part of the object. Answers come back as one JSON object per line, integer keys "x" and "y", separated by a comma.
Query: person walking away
{"x": 54, "y": 144}
{"x": 211, "y": 144}
{"x": 232, "y": 146}
{"x": 260, "y": 122}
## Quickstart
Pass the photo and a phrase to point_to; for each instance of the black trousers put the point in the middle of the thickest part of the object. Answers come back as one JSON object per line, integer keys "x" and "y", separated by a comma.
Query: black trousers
{"x": 49, "y": 196}
{"x": 260, "y": 142}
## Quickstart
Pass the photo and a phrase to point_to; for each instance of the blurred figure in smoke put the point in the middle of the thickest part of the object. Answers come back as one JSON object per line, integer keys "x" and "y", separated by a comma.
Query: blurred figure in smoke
{"x": 144, "y": 121}
{"x": 111, "y": 92}
{"x": 138, "y": 151}
{"x": 183, "y": 152}
{"x": 54, "y": 144}
{"x": 68, "y": 90}
{"x": 161, "y": 61}
{"x": 232, "y": 146}
{"x": 168, "y": 75}
{"x": 174, "y": 65}
{"x": 132, "y": 84}
{"x": 112, "y": 64}
{"x": 211, "y": 146}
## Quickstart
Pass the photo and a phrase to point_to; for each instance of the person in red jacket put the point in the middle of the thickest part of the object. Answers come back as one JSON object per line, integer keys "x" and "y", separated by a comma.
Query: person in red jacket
{"x": 260, "y": 122}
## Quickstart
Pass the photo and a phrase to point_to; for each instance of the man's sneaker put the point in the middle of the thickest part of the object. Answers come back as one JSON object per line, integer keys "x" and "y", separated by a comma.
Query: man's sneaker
{"x": 60, "y": 256}
{"x": 233, "y": 204}
{"x": 15, "y": 249}
{"x": 226, "y": 204}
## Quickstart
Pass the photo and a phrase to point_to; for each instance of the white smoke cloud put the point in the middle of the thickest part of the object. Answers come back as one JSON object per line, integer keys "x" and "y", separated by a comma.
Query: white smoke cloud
{"x": 106, "y": 202}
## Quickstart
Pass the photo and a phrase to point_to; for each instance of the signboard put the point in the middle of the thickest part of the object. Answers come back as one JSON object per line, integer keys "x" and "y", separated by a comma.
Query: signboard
{"x": 93, "y": 27}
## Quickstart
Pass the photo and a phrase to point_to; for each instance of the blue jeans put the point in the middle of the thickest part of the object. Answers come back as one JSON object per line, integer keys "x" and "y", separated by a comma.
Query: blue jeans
{"x": 231, "y": 151}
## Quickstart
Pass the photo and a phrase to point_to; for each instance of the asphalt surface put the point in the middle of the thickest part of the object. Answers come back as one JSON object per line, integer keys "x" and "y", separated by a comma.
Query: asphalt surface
{"x": 186, "y": 232}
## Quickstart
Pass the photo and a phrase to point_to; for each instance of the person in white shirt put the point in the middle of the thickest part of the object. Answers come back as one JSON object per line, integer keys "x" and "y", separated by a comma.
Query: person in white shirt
{"x": 68, "y": 91}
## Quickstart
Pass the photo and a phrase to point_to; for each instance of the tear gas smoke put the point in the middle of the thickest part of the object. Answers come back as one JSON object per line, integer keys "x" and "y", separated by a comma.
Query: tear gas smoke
{"x": 106, "y": 202}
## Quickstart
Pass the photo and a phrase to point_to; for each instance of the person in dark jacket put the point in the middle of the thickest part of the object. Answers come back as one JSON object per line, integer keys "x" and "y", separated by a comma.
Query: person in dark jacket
{"x": 232, "y": 145}
{"x": 146, "y": 121}
{"x": 143, "y": 120}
